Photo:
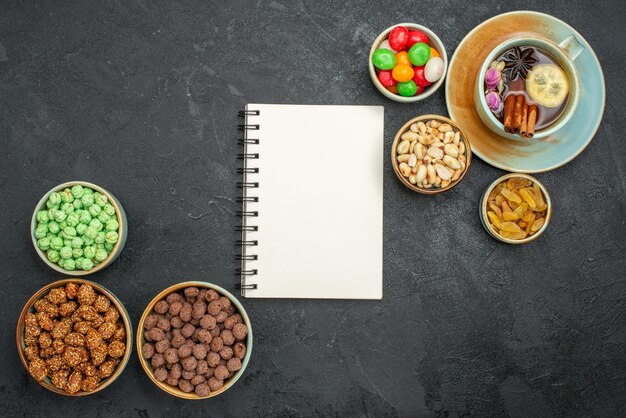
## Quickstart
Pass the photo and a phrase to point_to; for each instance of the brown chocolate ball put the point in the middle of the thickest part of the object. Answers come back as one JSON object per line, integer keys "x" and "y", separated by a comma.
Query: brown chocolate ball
{"x": 187, "y": 330}
{"x": 209, "y": 322}
{"x": 162, "y": 345}
{"x": 188, "y": 374}
{"x": 215, "y": 384}
{"x": 176, "y": 371}
{"x": 175, "y": 308}
{"x": 216, "y": 344}
{"x": 157, "y": 361}
{"x": 171, "y": 355}
{"x": 211, "y": 295}
{"x": 204, "y": 336}
{"x": 189, "y": 363}
{"x": 221, "y": 372}
{"x": 174, "y": 297}
{"x": 197, "y": 379}
{"x": 171, "y": 381}
{"x": 161, "y": 307}
{"x": 191, "y": 292}
{"x": 233, "y": 364}
{"x": 240, "y": 331}
{"x": 198, "y": 310}
{"x": 239, "y": 350}
{"x": 185, "y": 385}
{"x": 226, "y": 353}
{"x": 213, "y": 359}
{"x": 164, "y": 324}
{"x": 214, "y": 307}
{"x": 184, "y": 351}
{"x": 178, "y": 340}
{"x": 151, "y": 321}
{"x": 199, "y": 351}
{"x": 185, "y": 312}
{"x": 156, "y": 334}
{"x": 228, "y": 337}
{"x": 202, "y": 367}
{"x": 160, "y": 374}
{"x": 225, "y": 302}
{"x": 202, "y": 390}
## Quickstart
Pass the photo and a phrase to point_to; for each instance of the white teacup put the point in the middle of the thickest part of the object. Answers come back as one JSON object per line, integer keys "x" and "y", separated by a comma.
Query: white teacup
{"x": 564, "y": 54}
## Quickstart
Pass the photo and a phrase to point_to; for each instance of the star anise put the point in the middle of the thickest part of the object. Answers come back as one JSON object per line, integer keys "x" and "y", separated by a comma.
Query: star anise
{"x": 518, "y": 62}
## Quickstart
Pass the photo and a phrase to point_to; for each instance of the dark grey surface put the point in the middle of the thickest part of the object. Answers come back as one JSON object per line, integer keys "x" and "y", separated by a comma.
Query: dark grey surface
{"x": 141, "y": 98}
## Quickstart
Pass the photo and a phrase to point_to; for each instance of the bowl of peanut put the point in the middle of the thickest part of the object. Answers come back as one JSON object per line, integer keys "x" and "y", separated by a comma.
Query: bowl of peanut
{"x": 515, "y": 209}
{"x": 430, "y": 154}
{"x": 74, "y": 337}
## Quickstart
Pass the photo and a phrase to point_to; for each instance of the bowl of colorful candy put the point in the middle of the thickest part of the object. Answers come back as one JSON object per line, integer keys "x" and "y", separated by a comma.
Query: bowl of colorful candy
{"x": 407, "y": 62}
{"x": 78, "y": 228}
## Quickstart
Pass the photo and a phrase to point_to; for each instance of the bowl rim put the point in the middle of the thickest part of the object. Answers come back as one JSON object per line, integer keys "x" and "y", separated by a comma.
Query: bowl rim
{"x": 19, "y": 333}
{"x": 485, "y": 219}
{"x": 394, "y": 161}
{"x": 432, "y": 88}
{"x": 121, "y": 229}
{"x": 174, "y": 391}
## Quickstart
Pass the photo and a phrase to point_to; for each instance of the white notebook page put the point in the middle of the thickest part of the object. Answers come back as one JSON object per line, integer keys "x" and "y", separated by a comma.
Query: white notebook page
{"x": 320, "y": 208}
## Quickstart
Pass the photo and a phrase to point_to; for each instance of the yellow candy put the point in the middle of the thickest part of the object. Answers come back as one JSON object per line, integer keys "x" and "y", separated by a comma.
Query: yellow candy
{"x": 495, "y": 220}
{"x": 510, "y": 227}
{"x": 511, "y": 196}
{"x": 529, "y": 197}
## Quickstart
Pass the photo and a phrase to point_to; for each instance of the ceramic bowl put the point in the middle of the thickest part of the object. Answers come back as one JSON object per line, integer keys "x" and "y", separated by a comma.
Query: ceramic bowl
{"x": 28, "y": 307}
{"x": 122, "y": 231}
{"x": 394, "y": 155}
{"x": 485, "y": 219}
{"x": 140, "y": 341}
{"x": 434, "y": 42}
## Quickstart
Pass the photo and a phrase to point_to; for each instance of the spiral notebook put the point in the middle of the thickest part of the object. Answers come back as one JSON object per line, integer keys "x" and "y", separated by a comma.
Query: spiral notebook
{"x": 312, "y": 202}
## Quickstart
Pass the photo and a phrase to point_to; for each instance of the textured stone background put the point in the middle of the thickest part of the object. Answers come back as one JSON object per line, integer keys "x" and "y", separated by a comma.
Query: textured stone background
{"x": 141, "y": 97}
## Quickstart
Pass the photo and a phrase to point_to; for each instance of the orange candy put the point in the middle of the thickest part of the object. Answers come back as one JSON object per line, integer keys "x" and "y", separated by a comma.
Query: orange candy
{"x": 402, "y": 57}
{"x": 393, "y": 89}
{"x": 433, "y": 53}
{"x": 402, "y": 72}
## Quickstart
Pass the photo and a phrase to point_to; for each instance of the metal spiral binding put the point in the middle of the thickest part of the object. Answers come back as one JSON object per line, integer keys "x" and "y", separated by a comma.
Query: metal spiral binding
{"x": 245, "y": 244}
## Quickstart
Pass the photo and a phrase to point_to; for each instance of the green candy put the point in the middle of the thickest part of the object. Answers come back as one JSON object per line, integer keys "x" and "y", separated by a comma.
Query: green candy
{"x": 91, "y": 233}
{"x": 101, "y": 200}
{"x": 78, "y": 204}
{"x": 56, "y": 243}
{"x": 72, "y": 219}
{"x": 77, "y": 252}
{"x": 77, "y": 242}
{"x": 80, "y": 229}
{"x": 54, "y": 199}
{"x": 67, "y": 242}
{"x": 88, "y": 241}
{"x": 94, "y": 210}
{"x": 111, "y": 237}
{"x": 89, "y": 252}
{"x": 103, "y": 217}
{"x": 53, "y": 227}
{"x": 87, "y": 199}
{"x": 109, "y": 247}
{"x": 419, "y": 54}
{"x": 42, "y": 217}
{"x": 109, "y": 209}
{"x": 101, "y": 254}
{"x": 408, "y": 88}
{"x": 78, "y": 191}
{"x": 112, "y": 225}
{"x": 66, "y": 252}
{"x": 67, "y": 208}
{"x": 63, "y": 225}
{"x": 70, "y": 232}
{"x": 96, "y": 224}
{"x": 67, "y": 196}
{"x": 41, "y": 231}
{"x": 100, "y": 238}
{"x": 87, "y": 264}
{"x": 384, "y": 59}
{"x": 85, "y": 217}
{"x": 51, "y": 213}
{"x": 60, "y": 216}
{"x": 44, "y": 244}
{"x": 88, "y": 191}
{"x": 53, "y": 256}
{"x": 69, "y": 264}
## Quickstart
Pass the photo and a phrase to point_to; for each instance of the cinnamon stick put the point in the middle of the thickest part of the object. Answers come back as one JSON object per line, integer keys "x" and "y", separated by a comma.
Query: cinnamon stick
{"x": 532, "y": 120}
{"x": 517, "y": 113}
{"x": 509, "y": 105}
{"x": 523, "y": 130}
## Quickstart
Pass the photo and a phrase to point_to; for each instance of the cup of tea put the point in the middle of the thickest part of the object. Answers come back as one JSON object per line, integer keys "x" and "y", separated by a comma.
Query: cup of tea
{"x": 528, "y": 87}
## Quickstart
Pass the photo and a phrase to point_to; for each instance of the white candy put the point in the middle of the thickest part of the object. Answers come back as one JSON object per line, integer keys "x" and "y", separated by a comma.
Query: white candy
{"x": 385, "y": 45}
{"x": 433, "y": 69}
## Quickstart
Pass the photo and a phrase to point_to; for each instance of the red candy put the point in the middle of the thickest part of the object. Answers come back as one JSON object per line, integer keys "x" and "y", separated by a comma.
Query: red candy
{"x": 398, "y": 38}
{"x": 386, "y": 79}
{"x": 418, "y": 77}
{"x": 414, "y": 37}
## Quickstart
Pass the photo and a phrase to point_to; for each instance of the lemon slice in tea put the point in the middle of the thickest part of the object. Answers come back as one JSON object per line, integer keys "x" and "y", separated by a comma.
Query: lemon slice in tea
{"x": 547, "y": 85}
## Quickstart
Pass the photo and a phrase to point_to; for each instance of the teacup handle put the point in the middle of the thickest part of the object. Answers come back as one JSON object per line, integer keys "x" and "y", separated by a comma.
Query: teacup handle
{"x": 572, "y": 46}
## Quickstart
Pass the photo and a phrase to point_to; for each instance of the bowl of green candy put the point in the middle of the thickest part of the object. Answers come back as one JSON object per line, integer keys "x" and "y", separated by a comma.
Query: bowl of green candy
{"x": 78, "y": 228}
